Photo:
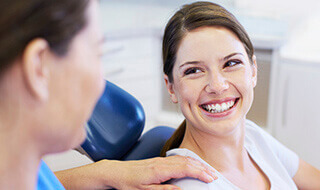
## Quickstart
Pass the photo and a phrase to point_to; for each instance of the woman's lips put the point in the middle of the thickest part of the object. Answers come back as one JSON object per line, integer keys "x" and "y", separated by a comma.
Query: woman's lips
{"x": 220, "y": 108}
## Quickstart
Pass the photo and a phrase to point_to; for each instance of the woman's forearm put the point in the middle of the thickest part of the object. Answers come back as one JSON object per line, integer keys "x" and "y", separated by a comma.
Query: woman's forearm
{"x": 134, "y": 175}
{"x": 89, "y": 177}
{"x": 307, "y": 176}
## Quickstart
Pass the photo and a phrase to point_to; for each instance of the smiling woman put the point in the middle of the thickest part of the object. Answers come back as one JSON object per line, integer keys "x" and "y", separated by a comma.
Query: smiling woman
{"x": 211, "y": 71}
{"x": 225, "y": 75}
{"x": 188, "y": 23}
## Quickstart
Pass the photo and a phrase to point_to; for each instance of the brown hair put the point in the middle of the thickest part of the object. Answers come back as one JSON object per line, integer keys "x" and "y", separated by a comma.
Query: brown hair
{"x": 188, "y": 18}
{"x": 21, "y": 21}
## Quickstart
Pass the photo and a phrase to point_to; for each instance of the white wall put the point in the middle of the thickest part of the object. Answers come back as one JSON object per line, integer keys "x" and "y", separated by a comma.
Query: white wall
{"x": 302, "y": 17}
{"x": 303, "y": 43}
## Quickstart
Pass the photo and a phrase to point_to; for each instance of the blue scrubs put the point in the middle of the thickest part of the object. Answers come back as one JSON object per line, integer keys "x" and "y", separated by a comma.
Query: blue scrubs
{"x": 47, "y": 180}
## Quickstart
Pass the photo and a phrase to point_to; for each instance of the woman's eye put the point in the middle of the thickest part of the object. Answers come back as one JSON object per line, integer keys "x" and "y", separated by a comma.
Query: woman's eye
{"x": 192, "y": 71}
{"x": 232, "y": 63}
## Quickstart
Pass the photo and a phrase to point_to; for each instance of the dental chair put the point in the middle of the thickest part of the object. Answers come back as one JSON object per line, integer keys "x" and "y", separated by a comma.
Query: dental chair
{"x": 115, "y": 127}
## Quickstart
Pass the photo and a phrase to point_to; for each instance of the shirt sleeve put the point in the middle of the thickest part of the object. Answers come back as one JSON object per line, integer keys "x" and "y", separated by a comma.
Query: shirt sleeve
{"x": 288, "y": 158}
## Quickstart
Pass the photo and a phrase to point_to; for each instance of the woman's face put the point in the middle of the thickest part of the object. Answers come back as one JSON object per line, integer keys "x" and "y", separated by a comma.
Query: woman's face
{"x": 76, "y": 82}
{"x": 213, "y": 80}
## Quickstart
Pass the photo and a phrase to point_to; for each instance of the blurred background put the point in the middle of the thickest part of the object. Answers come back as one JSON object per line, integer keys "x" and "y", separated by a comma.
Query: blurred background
{"x": 285, "y": 34}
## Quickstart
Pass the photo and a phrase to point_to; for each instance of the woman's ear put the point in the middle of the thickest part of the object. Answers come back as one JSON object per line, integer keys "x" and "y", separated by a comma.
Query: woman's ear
{"x": 35, "y": 69}
{"x": 254, "y": 70}
{"x": 170, "y": 89}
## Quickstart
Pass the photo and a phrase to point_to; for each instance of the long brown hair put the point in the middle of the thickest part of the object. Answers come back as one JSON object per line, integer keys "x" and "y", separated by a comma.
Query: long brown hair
{"x": 21, "y": 21}
{"x": 188, "y": 18}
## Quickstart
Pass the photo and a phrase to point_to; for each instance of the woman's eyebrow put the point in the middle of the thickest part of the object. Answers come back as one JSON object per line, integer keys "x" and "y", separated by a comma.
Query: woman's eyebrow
{"x": 190, "y": 63}
{"x": 231, "y": 55}
{"x": 198, "y": 62}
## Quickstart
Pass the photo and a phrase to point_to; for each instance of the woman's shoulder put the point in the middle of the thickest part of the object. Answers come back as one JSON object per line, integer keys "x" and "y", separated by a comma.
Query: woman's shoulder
{"x": 183, "y": 152}
{"x": 255, "y": 134}
{"x": 189, "y": 183}
{"x": 255, "y": 131}
{"x": 192, "y": 183}
{"x": 250, "y": 125}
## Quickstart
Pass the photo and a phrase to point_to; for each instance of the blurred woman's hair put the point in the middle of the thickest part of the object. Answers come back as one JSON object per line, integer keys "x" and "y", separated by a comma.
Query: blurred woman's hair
{"x": 188, "y": 18}
{"x": 21, "y": 21}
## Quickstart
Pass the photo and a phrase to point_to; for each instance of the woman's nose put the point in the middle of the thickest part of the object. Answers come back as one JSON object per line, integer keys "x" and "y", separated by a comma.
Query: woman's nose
{"x": 216, "y": 84}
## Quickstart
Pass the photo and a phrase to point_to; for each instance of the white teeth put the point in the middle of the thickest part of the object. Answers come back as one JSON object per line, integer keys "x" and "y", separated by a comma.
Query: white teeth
{"x": 224, "y": 106}
{"x": 217, "y": 108}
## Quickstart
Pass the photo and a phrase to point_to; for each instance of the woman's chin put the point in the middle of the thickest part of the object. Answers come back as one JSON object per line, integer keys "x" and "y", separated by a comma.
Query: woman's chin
{"x": 80, "y": 138}
{"x": 74, "y": 140}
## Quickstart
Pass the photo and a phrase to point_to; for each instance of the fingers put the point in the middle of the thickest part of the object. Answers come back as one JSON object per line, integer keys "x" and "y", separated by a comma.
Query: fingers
{"x": 203, "y": 167}
{"x": 150, "y": 173}
{"x": 162, "y": 187}
{"x": 199, "y": 170}
{"x": 180, "y": 167}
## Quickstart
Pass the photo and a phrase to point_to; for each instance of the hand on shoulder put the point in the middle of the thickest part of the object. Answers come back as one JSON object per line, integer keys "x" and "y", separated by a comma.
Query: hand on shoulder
{"x": 150, "y": 173}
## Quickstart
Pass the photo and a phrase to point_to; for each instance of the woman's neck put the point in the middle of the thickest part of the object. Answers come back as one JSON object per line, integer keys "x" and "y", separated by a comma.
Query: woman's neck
{"x": 19, "y": 160}
{"x": 223, "y": 152}
{"x": 20, "y": 152}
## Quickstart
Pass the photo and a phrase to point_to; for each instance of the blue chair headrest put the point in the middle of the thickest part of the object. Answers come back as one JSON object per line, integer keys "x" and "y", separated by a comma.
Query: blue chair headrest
{"x": 150, "y": 144}
{"x": 115, "y": 125}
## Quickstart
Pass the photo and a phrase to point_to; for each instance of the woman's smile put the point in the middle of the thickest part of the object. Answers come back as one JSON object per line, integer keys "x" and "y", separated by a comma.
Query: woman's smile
{"x": 219, "y": 108}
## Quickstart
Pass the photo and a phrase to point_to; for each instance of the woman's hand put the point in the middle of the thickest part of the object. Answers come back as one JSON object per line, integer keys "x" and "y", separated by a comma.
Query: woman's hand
{"x": 134, "y": 175}
{"x": 148, "y": 174}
